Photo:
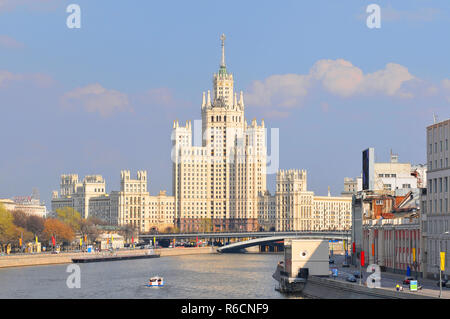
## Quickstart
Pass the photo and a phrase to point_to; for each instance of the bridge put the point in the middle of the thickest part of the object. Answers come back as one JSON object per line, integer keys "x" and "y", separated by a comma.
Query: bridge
{"x": 223, "y": 235}
{"x": 239, "y": 246}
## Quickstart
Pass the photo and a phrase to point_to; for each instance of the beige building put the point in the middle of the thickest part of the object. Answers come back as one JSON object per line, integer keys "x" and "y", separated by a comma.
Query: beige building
{"x": 294, "y": 208}
{"x": 219, "y": 181}
{"x": 77, "y": 194}
{"x": 30, "y": 207}
{"x": 135, "y": 206}
{"x": 435, "y": 224}
{"x": 132, "y": 205}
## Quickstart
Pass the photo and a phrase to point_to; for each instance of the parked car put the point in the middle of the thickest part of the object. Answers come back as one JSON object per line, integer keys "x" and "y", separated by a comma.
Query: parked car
{"x": 345, "y": 264}
{"x": 407, "y": 280}
{"x": 445, "y": 283}
{"x": 351, "y": 278}
{"x": 356, "y": 274}
{"x": 331, "y": 261}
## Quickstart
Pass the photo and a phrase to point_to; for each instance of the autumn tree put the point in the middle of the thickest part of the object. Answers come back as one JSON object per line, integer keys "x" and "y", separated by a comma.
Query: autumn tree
{"x": 10, "y": 232}
{"x": 59, "y": 229}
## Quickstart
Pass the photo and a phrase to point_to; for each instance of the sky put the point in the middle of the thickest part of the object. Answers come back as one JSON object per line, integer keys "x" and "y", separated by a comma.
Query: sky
{"x": 102, "y": 98}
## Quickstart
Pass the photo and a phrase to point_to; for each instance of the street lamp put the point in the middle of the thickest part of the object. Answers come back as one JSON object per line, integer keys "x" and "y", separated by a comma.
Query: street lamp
{"x": 440, "y": 263}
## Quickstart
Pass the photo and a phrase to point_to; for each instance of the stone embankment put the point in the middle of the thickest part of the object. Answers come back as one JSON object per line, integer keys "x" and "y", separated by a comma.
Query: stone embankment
{"x": 66, "y": 258}
{"x": 326, "y": 288}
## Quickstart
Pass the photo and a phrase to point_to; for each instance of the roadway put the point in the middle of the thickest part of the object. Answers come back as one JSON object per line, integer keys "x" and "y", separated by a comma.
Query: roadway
{"x": 390, "y": 280}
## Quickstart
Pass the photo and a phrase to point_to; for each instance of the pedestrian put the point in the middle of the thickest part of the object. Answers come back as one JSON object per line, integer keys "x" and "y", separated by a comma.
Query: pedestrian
{"x": 397, "y": 287}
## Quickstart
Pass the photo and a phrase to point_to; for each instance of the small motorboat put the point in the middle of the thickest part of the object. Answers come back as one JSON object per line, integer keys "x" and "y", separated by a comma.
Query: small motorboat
{"x": 156, "y": 282}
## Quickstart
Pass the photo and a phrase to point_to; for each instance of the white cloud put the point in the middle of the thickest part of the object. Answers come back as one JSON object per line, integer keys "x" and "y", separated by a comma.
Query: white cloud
{"x": 95, "y": 98}
{"x": 387, "y": 81}
{"x": 285, "y": 90}
{"x": 338, "y": 77}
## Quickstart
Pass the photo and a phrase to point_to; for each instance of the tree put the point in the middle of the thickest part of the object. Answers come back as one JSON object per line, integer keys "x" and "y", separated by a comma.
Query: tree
{"x": 69, "y": 216}
{"x": 9, "y": 232}
{"x": 59, "y": 229}
{"x": 128, "y": 231}
{"x": 20, "y": 218}
{"x": 206, "y": 225}
{"x": 35, "y": 225}
{"x": 89, "y": 229}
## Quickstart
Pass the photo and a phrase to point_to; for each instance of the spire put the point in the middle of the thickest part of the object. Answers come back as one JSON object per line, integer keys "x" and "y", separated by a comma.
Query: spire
{"x": 204, "y": 100}
{"x": 208, "y": 101}
{"x": 223, "y": 67}
{"x": 222, "y": 63}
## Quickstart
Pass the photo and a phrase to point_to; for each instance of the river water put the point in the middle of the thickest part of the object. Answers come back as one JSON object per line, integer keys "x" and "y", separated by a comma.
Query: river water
{"x": 195, "y": 276}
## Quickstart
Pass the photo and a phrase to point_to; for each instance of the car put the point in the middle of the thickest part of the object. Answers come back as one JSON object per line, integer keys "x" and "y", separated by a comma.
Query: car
{"x": 407, "y": 280}
{"x": 445, "y": 283}
{"x": 331, "y": 261}
{"x": 357, "y": 274}
{"x": 345, "y": 264}
{"x": 351, "y": 278}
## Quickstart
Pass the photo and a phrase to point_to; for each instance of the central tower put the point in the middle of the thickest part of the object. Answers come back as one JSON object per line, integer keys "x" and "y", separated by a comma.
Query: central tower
{"x": 218, "y": 183}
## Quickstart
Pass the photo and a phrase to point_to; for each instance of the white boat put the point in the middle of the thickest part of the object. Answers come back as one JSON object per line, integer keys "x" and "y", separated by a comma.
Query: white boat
{"x": 156, "y": 282}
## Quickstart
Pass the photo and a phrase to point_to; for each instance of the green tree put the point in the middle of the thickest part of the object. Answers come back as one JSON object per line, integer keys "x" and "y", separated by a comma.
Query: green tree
{"x": 69, "y": 216}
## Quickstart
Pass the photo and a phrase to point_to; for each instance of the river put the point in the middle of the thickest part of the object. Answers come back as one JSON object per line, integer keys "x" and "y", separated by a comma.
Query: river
{"x": 228, "y": 276}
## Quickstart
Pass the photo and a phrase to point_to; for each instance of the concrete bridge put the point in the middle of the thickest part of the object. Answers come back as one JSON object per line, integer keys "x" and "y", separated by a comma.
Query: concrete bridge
{"x": 222, "y": 235}
{"x": 239, "y": 246}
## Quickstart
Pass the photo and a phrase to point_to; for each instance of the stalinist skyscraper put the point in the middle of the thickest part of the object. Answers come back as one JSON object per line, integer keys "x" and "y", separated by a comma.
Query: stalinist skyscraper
{"x": 216, "y": 185}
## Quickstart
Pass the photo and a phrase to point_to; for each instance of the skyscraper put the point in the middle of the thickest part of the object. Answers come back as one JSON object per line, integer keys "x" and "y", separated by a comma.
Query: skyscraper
{"x": 216, "y": 185}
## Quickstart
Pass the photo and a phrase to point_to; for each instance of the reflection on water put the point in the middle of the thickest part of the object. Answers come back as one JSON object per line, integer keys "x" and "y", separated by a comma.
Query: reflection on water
{"x": 196, "y": 276}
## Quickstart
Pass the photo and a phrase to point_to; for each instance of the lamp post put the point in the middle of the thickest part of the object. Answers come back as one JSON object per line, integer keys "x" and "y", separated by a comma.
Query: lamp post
{"x": 440, "y": 263}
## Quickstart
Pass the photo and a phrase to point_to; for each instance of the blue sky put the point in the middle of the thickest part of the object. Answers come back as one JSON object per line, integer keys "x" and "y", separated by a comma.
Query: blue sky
{"x": 103, "y": 98}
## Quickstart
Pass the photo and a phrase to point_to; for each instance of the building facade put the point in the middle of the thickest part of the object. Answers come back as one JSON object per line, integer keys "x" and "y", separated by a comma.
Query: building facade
{"x": 77, "y": 194}
{"x": 390, "y": 176}
{"x": 294, "y": 208}
{"x": 26, "y": 204}
{"x": 435, "y": 201}
{"x": 219, "y": 181}
{"x": 131, "y": 205}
